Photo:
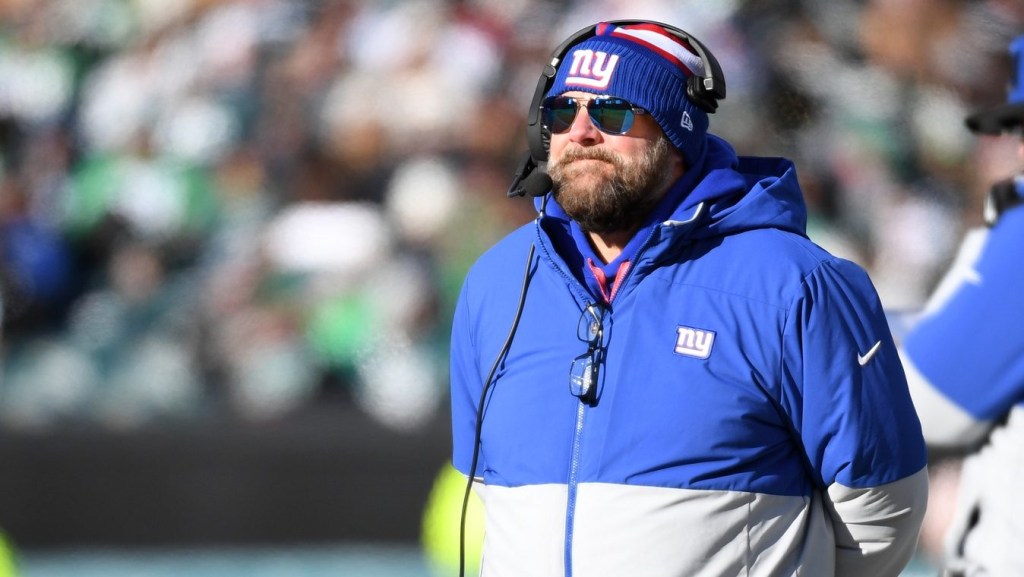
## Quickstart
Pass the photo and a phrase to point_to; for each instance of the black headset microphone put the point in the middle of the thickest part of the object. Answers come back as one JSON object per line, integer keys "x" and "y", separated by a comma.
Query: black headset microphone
{"x": 531, "y": 179}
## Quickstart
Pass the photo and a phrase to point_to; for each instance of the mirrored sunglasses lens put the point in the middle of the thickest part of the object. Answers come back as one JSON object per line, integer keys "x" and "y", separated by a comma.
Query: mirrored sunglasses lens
{"x": 559, "y": 113}
{"x": 611, "y": 115}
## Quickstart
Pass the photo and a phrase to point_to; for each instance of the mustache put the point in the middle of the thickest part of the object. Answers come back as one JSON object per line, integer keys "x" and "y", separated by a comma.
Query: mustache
{"x": 580, "y": 153}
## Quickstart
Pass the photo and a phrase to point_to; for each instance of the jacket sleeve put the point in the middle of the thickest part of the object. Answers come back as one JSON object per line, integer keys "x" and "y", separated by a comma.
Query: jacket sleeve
{"x": 852, "y": 411}
{"x": 965, "y": 355}
{"x": 465, "y": 388}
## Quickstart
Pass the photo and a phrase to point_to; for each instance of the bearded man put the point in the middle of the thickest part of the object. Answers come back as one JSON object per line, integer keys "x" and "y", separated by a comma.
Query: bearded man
{"x": 682, "y": 384}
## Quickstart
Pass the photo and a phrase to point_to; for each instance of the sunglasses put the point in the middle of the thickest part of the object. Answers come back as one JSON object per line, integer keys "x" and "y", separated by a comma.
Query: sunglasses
{"x": 609, "y": 114}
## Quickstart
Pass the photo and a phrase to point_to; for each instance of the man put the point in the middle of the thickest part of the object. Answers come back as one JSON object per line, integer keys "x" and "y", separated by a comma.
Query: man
{"x": 683, "y": 384}
{"x": 965, "y": 363}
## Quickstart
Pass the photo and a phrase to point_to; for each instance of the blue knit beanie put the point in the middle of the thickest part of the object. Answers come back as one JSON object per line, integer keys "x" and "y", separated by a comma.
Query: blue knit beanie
{"x": 648, "y": 66}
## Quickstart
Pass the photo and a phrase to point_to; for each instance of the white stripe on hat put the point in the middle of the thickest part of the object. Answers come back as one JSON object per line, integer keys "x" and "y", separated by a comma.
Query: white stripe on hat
{"x": 668, "y": 47}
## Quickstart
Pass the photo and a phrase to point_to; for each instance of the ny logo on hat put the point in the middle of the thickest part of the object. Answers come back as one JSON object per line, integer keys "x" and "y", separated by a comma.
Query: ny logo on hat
{"x": 592, "y": 69}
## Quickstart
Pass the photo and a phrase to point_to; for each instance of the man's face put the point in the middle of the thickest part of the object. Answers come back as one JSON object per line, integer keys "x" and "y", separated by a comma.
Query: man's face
{"x": 607, "y": 182}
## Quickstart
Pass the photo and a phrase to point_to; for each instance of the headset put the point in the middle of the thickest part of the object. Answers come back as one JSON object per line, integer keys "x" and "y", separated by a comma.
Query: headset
{"x": 704, "y": 91}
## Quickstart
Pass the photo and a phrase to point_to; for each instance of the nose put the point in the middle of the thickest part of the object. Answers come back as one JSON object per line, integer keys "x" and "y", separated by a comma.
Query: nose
{"x": 582, "y": 129}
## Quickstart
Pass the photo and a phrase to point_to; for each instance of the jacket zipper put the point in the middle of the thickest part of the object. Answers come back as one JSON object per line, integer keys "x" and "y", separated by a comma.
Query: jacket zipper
{"x": 573, "y": 485}
{"x": 577, "y": 439}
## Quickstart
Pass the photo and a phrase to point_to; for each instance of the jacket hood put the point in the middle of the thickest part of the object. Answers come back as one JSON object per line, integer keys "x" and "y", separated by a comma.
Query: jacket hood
{"x": 743, "y": 193}
{"x": 725, "y": 194}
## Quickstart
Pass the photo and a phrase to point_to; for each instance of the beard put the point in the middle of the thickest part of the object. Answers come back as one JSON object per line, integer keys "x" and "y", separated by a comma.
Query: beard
{"x": 616, "y": 195}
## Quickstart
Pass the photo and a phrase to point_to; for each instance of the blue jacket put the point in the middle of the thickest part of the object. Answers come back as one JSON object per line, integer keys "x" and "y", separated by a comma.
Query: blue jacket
{"x": 752, "y": 415}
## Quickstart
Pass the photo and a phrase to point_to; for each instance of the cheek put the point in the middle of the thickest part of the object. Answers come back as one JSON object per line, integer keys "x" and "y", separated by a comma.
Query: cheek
{"x": 634, "y": 147}
{"x": 555, "y": 149}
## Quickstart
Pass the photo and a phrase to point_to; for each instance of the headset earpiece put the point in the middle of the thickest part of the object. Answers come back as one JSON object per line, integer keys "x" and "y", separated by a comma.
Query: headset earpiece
{"x": 536, "y": 136}
{"x": 705, "y": 91}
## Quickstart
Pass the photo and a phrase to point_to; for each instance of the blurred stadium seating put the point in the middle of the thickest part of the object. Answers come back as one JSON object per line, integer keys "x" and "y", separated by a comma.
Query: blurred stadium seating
{"x": 233, "y": 231}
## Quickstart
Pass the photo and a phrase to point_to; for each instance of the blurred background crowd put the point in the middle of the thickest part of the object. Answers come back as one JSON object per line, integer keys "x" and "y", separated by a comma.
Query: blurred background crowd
{"x": 239, "y": 208}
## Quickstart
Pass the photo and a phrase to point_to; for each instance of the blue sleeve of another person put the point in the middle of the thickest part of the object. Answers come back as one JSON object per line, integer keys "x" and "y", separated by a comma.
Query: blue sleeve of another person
{"x": 971, "y": 349}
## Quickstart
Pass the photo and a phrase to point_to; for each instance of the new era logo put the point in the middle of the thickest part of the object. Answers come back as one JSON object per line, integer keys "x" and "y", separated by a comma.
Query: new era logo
{"x": 592, "y": 69}
{"x": 686, "y": 122}
{"x": 696, "y": 343}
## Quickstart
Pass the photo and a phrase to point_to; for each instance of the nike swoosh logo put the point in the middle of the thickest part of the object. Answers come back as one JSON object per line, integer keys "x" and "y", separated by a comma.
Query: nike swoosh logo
{"x": 863, "y": 359}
